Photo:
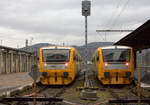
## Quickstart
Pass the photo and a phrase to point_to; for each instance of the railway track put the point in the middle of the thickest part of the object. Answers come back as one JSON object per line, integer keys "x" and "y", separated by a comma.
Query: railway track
{"x": 42, "y": 92}
{"x": 72, "y": 97}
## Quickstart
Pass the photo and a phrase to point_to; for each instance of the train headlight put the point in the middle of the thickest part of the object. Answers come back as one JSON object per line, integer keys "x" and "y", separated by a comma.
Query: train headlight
{"x": 127, "y": 64}
{"x": 45, "y": 64}
{"x": 66, "y": 64}
{"x": 106, "y": 64}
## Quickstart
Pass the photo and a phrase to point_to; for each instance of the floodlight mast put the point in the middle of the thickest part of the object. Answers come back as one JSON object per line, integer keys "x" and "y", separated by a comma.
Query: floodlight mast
{"x": 86, "y": 6}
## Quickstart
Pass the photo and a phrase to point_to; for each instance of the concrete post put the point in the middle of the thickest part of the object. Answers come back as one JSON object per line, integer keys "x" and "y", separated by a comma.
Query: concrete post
{"x": 27, "y": 63}
{"x": 1, "y": 61}
{"x": 11, "y": 63}
{"x": 30, "y": 57}
{"x": 4, "y": 63}
{"x": 17, "y": 62}
{"x": 20, "y": 63}
{"x": 7, "y": 71}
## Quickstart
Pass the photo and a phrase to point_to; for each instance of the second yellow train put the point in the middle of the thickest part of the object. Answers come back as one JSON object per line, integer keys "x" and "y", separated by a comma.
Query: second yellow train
{"x": 113, "y": 64}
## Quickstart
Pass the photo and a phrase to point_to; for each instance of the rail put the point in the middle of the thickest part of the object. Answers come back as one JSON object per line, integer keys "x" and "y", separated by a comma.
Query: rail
{"x": 130, "y": 101}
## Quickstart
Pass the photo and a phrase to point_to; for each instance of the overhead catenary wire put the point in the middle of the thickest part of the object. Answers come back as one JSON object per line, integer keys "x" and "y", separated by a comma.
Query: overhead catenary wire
{"x": 113, "y": 12}
{"x": 100, "y": 35}
{"x": 121, "y": 11}
{"x": 117, "y": 16}
{"x": 111, "y": 19}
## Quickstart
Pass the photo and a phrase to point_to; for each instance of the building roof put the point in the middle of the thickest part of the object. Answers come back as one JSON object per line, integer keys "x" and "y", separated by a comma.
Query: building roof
{"x": 139, "y": 39}
{"x": 13, "y": 49}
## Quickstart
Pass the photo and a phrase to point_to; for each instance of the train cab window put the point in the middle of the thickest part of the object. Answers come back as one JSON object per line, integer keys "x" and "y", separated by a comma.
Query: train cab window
{"x": 55, "y": 55}
{"x": 116, "y": 55}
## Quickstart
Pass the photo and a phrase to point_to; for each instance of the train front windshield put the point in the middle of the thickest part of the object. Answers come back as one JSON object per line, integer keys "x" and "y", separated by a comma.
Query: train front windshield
{"x": 116, "y": 55}
{"x": 55, "y": 55}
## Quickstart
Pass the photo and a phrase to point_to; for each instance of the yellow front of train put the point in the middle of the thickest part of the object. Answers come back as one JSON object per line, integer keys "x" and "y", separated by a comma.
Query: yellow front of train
{"x": 116, "y": 65}
{"x": 56, "y": 66}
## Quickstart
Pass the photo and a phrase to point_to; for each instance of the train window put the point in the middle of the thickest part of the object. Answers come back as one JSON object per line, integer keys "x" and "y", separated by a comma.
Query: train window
{"x": 55, "y": 55}
{"x": 116, "y": 55}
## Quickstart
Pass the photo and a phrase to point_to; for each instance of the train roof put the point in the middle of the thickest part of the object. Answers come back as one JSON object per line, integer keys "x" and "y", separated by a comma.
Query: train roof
{"x": 115, "y": 46}
{"x": 56, "y": 47}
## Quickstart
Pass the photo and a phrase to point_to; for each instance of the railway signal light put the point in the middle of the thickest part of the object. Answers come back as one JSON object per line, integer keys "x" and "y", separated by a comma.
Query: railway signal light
{"x": 86, "y": 7}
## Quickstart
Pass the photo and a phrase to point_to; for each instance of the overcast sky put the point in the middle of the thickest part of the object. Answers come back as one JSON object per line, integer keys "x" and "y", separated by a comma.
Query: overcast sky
{"x": 60, "y": 21}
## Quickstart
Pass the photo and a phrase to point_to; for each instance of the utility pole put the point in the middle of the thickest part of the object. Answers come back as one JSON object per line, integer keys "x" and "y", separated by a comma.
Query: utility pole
{"x": 26, "y": 43}
{"x": 31, "y": 41}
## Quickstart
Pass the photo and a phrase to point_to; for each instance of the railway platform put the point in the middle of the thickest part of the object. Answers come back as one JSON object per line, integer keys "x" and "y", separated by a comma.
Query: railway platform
{"x": 10, "y": 82}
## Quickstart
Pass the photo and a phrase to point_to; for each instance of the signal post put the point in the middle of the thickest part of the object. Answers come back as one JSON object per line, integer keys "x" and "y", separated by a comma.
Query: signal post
{"x": 86, "y": 92}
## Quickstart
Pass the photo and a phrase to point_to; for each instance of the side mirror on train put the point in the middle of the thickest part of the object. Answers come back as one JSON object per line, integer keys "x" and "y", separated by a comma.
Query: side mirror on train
{"x": 97, "y": 58}
{"x": 74, "y": 58}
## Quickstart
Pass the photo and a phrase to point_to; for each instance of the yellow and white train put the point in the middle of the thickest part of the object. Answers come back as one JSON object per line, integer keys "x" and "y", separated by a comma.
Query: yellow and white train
{"x": 59, "y": 65}
{"x": 113, "y": 64}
